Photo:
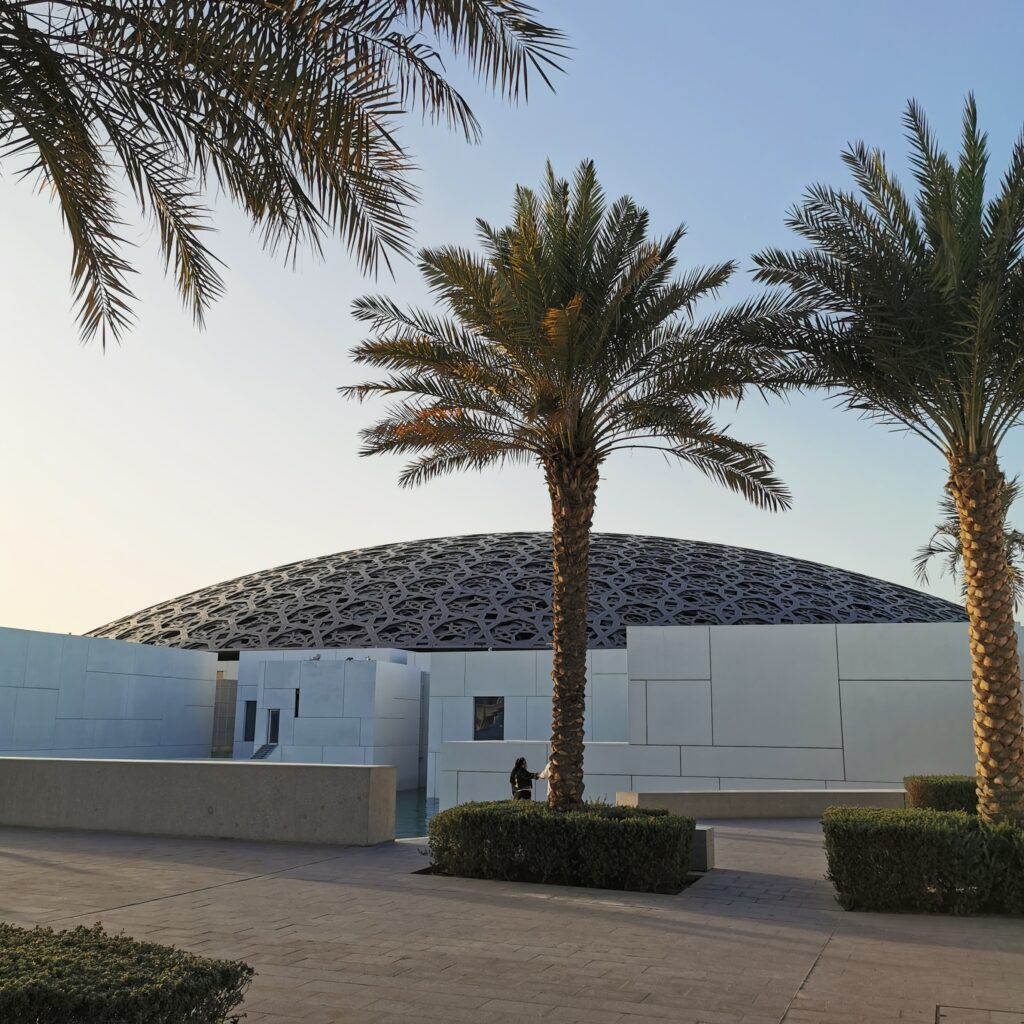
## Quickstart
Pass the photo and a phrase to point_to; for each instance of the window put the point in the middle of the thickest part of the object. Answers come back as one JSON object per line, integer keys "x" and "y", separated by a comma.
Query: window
{"x": 250, "y": 721}
{"x": 296, "y": 702}
{"x": 488, "y": 718}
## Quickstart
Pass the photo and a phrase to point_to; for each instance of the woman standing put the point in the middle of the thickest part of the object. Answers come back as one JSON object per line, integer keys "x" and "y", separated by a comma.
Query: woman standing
{"x": 521, "y": 780}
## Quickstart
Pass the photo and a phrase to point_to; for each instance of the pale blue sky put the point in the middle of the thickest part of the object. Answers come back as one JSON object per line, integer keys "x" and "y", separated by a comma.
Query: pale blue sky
{"x": 181, "y": 459}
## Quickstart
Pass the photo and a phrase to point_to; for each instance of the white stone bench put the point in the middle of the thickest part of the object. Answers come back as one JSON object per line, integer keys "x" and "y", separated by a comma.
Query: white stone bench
{"x": 762, "y": 803}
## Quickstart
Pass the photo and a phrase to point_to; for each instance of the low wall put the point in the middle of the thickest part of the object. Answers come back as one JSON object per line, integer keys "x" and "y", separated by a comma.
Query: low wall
{"x": 348, "y": 805}
{"x": 765, "y": 803}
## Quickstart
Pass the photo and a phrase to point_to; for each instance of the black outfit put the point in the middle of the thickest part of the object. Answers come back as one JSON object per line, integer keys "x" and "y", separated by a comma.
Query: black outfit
{"x": 521, "y": 780}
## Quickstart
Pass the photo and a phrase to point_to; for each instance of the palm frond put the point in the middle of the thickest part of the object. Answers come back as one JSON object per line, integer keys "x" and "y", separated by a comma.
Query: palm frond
{"x": 945, "y": 544}
{"x": 571, "y": 336}
{"x": 291, "y": 109}
{"x": 913, "y": 307}
{"x": 743, "y": 468}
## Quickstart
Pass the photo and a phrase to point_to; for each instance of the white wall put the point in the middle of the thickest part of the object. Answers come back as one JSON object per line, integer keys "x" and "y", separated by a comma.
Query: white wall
{"x": 523, "y": 678}
{"x": 734, "y": 707}
{"x": 355, "y": 707}
{"x": 75, "y": 696}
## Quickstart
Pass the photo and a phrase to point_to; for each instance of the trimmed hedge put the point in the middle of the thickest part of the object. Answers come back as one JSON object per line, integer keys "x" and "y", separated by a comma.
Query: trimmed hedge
{"x": 916, "y": 859}
{"x": 85, "y": 976}
{"x": 599, "y": 847}
{"x": 942, "y": 792}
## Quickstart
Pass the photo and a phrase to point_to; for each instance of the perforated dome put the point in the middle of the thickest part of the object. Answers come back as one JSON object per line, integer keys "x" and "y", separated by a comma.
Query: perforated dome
{"x": 494, "y": 591}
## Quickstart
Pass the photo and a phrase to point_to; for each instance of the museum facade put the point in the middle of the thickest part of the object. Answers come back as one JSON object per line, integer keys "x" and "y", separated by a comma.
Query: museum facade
{"x": 711, "y": 667}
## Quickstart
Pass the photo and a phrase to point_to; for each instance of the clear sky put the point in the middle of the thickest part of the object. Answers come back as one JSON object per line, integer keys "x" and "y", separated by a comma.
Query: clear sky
{"x": 181, "y": 459}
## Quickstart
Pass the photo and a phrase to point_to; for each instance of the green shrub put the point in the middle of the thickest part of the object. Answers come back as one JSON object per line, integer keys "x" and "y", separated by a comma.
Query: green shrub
{"x": 917, "y": 859}
{"x": 598, "y": 847}
{"x": 942, "y": 792}
{"x": 1008, "y": 856}
{"x": 85, "y": 976}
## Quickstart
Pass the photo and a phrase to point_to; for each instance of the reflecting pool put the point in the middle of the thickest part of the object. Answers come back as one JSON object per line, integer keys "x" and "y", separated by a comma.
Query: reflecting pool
{"x": 413, "y": 809}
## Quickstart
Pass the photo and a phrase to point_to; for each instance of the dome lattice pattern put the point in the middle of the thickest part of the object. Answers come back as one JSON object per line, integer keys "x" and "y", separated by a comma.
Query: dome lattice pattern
{"x": 494, "y": 591}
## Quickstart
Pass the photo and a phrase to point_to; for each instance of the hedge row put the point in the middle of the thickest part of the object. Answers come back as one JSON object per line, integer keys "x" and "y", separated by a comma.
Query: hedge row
{"x": 942, "y": 792}
{"x": 85, "y": 976}
{"x": 915, "y": 859}
{"x": 598, "y": 847}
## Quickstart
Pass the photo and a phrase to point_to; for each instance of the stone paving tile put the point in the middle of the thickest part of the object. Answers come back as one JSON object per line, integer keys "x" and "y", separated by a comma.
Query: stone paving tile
{"x": 354, "y": 936}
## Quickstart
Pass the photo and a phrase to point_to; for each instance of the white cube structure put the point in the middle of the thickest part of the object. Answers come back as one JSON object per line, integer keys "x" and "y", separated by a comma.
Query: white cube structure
{"x": 77, "y": 696}
{"x": 331, "y": 707}
{"x": 523, "y": 680}
{"x": 725, "y": 707}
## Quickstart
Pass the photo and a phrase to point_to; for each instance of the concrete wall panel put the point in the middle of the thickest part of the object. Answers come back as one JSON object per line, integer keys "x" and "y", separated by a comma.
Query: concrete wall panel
{"x": 637, "y": 696}
{"x": 395, "y": 732}
{"x": 66, "y": 693}
{"x": 894, "y": 728}
{"x": 515, "y": 717}
{"x": 359, "y": 700}
{"x": 761, "y": 762}
{"x": 456, "y": 718}
{"x": 612, "y": 663}
{"x": 666, "y": 784}
{"x": 344, "y": 755}
{"x": 679, "y": 711}
{"x": 668, "y": 652}
{"x": 628, "y": 759}
{"x": 35, "y": 714}
{"x": 899, "y": 651}
{"x": 448, "y": 674}
{"x": 775, "y": 686}
{"x": 106, "y": 694}
{"x": 74, "y": 658}
{"x": 740, "y": 785}
{"x": 792, "y": 803}
{"x": 488, "y": 756}
{"x": 513, "y": 674}
{"x": 538, "y": 718}
{"x": 545, "y": 665}
{"x": 609, "y": 709}
{"x": 43, "y": 660}
{"x": 239, "y": 799}
{"x": 448, "y": 788}
{"x": 340, "y": 732}
{"x": 13, "y": 656}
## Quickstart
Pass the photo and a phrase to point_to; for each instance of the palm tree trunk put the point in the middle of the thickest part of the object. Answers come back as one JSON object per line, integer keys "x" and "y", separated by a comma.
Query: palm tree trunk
{"x": 976, "y": 483}
{"x": 572, "y": 484}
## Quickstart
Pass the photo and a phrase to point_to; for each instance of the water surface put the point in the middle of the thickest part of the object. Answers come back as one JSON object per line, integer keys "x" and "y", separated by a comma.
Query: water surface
{"x": 413, "y": 809}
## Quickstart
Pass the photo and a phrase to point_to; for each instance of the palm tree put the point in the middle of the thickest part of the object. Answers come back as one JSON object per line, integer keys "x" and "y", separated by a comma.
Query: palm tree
{"x": 287, "y": 107}
{"x": 567, "y": 340}
{"x": 913, "y": 309}
{"x": 945, "y": 543}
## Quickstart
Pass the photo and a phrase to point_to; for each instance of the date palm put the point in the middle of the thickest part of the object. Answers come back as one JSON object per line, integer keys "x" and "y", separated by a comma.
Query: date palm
{"x": 569, "y": 338}
{"x": 913, "y": 308}
{"x": 946, "y": 544}
{"x": 287, "y": 107}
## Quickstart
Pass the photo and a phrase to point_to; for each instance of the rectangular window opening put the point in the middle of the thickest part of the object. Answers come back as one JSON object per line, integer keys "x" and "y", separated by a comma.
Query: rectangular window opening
{"x": 250, "y": 722}
{"x": 488, "y": 718}
{"x": 296, "y": 702}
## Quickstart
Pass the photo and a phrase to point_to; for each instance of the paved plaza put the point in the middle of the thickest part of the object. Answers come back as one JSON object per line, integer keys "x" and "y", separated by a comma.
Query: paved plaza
{"x": 356, "y": 936}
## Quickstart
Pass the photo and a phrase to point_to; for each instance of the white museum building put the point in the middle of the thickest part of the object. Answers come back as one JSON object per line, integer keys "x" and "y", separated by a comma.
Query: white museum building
{"x": 711, "y": 668}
